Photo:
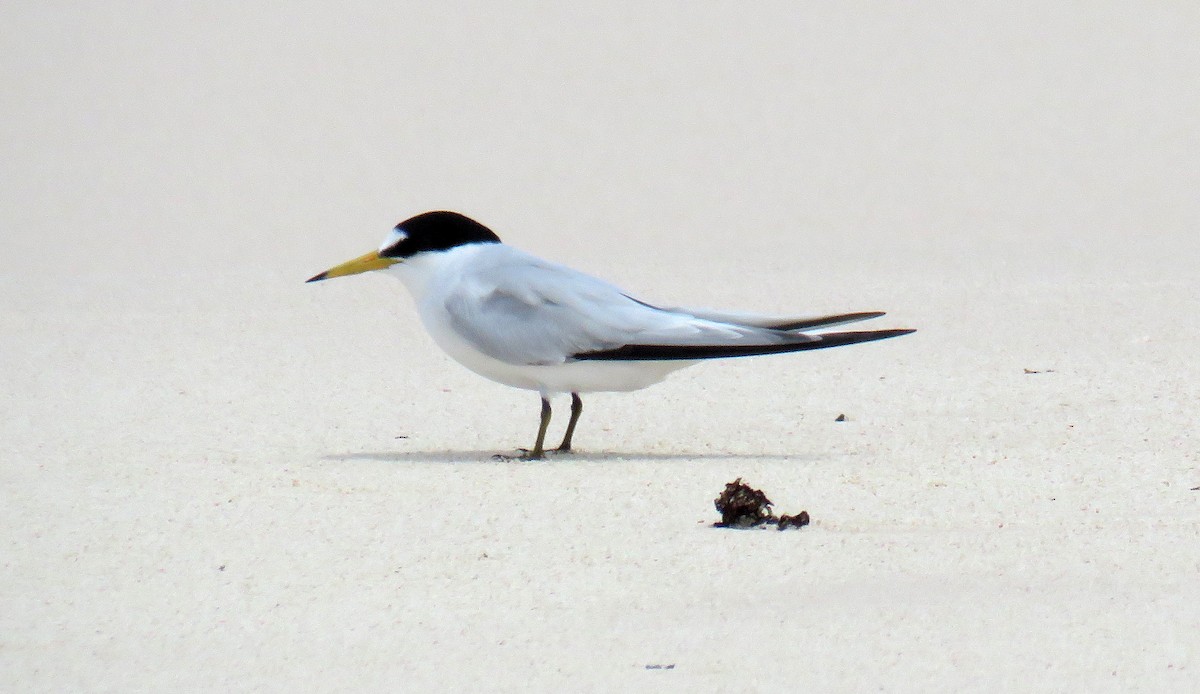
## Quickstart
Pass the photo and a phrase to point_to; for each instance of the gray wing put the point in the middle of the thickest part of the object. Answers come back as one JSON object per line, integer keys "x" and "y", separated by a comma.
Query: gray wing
{"x": 776, "y": 322}
{"x": 529, "y": 311}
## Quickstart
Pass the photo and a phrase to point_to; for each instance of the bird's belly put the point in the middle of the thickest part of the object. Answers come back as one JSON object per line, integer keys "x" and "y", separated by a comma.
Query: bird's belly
{"x": 597, "y": 376}
{"x": 571, "y": 377}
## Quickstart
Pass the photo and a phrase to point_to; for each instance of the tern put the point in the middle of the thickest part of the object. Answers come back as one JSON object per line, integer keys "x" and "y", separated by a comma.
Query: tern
{"x": 529, "y": 323}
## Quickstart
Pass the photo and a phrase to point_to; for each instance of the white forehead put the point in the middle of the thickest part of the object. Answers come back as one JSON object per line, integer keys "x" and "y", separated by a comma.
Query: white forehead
{"x": 394, "y": 237}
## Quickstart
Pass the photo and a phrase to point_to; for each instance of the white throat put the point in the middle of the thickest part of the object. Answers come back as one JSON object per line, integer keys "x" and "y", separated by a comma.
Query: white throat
{"x": 423, "y": 272}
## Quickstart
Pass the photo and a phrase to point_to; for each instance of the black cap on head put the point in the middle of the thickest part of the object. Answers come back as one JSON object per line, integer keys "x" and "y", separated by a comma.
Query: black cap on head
{"x": 436, "y": 231}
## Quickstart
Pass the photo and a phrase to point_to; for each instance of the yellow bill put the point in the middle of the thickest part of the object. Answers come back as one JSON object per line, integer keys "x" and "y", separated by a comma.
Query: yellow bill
{"x": 363, "y": 263}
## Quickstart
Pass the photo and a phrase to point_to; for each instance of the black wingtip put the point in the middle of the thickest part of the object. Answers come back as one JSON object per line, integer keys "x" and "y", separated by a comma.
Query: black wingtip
{"x": 316, "y": 278}
{"x": 855, "y": 337}
{"x": 695, "y": 352}
{"x": 822, "y": 321}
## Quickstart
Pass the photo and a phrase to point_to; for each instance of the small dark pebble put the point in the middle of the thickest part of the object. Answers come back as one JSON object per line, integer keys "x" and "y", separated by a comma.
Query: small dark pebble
{"x": 742, "y": 506}
{"x": 797, "y": 521}
{"x": 1196, "y": 489}
{"x": 840, "y": 418}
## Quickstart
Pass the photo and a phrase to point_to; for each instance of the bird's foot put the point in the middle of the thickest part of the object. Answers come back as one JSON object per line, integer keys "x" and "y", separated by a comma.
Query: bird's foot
{"x": 522, "y": 454}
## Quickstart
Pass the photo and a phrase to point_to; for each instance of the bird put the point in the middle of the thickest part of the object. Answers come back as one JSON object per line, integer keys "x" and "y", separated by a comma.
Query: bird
{"x": 533, "y": 324}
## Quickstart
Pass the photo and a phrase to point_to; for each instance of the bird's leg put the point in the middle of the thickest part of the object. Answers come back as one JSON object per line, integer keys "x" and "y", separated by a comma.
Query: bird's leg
{"x": 538, "y": 451}
{"x": 576, "y": 410}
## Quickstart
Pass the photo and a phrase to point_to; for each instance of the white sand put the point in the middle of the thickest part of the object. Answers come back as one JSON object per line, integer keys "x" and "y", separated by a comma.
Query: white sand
{"x": 202, "y": 484}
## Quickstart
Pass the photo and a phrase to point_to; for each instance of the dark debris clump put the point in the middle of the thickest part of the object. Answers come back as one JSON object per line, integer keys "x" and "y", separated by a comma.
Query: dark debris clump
{"x": 742, "y": 506}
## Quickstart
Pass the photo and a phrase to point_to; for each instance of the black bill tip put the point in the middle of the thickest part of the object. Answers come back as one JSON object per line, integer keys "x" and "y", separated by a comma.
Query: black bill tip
{"x": 317, "y": 278}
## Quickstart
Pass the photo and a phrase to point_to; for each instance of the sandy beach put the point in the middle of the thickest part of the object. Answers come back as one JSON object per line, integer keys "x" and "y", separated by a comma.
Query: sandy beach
{"x": 214, "y": 477}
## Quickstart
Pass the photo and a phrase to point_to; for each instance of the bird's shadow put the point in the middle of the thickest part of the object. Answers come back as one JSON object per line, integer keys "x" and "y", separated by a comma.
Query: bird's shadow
{"x": 468, "y": 457}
